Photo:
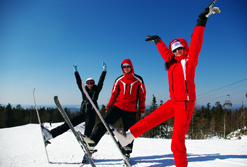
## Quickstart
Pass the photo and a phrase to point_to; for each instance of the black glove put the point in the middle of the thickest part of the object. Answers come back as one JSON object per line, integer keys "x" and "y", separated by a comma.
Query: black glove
{"x": 154, "y": 38}
{"x": 209, "y": 10}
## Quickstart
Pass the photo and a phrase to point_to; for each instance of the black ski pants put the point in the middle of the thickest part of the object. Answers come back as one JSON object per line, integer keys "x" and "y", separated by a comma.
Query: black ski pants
{"x": 84, "y": 116}
{"x": 113, "y": 114}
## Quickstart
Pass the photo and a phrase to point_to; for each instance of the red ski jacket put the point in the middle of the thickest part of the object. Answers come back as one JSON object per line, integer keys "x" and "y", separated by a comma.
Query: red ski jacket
{"x": 182, "y": 73}
{"x": 128, "y": 90}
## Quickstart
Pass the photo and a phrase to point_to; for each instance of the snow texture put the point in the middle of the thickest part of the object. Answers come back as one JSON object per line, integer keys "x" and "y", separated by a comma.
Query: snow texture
{"x": 22, "y": 147}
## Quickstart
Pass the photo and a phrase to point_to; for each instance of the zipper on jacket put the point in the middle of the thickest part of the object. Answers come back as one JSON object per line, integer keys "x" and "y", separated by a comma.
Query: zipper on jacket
{"x": 185, "y": 105}
{"x": 173, "y": 83}
{"x": 186, "y": 88}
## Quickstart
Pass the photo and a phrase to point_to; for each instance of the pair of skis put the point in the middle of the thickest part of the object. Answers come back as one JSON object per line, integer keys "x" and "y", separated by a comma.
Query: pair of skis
{"x": 78, "y": 136}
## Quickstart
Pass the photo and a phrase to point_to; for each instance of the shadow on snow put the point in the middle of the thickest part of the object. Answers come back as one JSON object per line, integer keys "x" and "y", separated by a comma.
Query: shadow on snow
{"x": 162, "y": 160}
{"x": 167, "y": 160}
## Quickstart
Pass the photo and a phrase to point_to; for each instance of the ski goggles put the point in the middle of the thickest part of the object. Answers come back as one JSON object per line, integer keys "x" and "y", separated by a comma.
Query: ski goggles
{"x": 126, "y": 67}
{"x": 177, "y": 49}
{"x": 90, "y": 82}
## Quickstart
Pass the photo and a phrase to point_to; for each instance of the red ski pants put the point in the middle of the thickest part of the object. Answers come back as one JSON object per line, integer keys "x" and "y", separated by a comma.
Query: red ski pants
{"x": 182, "y": 112}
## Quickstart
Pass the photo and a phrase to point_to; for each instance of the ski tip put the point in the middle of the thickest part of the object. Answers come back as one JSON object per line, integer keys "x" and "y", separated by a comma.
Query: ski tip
{"x": 55, "y": 97}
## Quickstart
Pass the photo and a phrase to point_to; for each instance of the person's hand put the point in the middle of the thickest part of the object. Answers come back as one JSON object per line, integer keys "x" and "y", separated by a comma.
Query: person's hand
{"x": 141, "y": 114}
{"x": 104, "y": 66}
{"x": 75, "y": 67}
{"x": 106, "y": 109}
{"x": 209, "y": 10}
{"x": 152, "y": 38}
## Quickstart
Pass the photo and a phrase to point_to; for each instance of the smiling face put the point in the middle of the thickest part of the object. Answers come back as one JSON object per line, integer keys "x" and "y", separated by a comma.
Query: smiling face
{"x": 126, "y": 69}
{"x": 179, "y": 51}
{"x": 90, "y": 84}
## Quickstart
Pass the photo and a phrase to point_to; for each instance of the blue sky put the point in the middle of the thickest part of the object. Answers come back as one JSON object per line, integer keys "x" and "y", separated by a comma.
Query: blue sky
{"x": 40, "y": 40}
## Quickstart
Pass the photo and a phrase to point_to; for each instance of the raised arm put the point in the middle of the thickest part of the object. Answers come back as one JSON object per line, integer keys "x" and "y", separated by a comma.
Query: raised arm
{"x": 102, "y": 77}
{"x": 162, "y": 48}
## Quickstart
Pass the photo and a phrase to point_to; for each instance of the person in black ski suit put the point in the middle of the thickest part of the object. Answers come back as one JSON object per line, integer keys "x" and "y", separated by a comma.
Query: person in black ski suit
{"x": 87, "y": 113}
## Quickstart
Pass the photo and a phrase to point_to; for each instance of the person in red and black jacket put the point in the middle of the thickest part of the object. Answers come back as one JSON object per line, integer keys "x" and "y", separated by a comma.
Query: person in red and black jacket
{"x": 180, "y": 62}
{"x": 128, "y": 93}
{"x": 128, "y": 89}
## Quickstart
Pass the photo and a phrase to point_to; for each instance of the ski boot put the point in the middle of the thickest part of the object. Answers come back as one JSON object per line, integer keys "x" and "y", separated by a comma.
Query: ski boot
{"x": 47, "y": 135}
{"x": 124, "y": 138}
{"x": 90, "y": 143}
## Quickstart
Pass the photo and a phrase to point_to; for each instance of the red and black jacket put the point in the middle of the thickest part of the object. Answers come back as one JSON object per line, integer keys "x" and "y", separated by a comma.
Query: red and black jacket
{"x": 128, "y": 90}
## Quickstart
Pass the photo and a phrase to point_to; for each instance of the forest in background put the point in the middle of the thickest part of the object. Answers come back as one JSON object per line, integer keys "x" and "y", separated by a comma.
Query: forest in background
{"x": 206, "y": 122}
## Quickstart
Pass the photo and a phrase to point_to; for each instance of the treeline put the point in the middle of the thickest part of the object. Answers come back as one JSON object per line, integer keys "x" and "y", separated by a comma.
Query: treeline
{"x": 206, "y": 122}
{"x": 16, "y": 116}
{"x": 216, "y": 121}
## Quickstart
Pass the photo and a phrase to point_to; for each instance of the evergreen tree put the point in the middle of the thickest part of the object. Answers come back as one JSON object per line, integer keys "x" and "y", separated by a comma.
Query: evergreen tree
{"x": 2, "y": 116}
{"x": 155, "y": 131}
{"x": 9, "y": 117}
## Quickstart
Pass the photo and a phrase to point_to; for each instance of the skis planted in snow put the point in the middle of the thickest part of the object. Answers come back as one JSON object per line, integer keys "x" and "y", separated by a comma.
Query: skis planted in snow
{"x": 40, "y": 123}
{"x": 78, "y": 137}
{"x": 120, "y": 148}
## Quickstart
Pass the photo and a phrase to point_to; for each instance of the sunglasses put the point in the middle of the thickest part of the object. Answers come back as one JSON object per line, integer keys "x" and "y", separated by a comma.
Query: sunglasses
{"x": 90, "y": 82}
{"x": 177, "y": 49}
{"x": 126, "y": 66}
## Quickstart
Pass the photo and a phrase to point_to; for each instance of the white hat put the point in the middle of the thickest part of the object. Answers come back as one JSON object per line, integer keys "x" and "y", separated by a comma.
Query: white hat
{"x": 90, "y": 79}
{"x": 125, "y": 64}
{"x": 176, "y": 44}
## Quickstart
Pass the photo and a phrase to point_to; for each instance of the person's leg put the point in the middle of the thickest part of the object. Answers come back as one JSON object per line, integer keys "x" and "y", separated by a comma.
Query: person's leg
{"x": 112, "y": 115}
{"x": 128, "y": 119}
{"x": 77, "y": 119}
{"x": 160, "y": 115}
{"x": 183, "y": 115}
{"x": 90, "y": 117}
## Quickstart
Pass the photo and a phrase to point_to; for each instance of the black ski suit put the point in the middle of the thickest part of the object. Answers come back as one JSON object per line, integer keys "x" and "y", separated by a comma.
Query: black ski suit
{"x": 87, "y": 113}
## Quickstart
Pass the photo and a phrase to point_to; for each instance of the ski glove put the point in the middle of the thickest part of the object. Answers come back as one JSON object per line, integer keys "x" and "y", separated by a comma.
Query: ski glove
{"x": 75, "y": 67}
{"x": 141, "y": 114}
{"x": 104, "y": 66}
{"x": 154, "y": 38}
{"x": 209, "y": 10}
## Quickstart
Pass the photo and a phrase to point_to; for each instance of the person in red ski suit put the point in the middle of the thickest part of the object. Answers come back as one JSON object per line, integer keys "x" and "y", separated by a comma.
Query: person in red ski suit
{"x": 128, "y": 93}
{"x": 180, "y": 61}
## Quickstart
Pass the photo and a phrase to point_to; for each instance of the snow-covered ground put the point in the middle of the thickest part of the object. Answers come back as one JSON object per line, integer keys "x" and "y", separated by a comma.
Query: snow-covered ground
{"x": 22, "y": 147}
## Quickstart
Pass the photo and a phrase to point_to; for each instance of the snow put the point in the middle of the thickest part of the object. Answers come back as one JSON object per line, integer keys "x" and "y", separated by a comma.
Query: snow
{"x": 22, "y": 147}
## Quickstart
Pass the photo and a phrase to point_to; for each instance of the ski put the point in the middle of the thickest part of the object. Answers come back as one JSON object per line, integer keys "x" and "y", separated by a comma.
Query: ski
{"x": 78, "y": 135}
{"x": 41, "y": 126}
{"x": 120, "y": 148}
